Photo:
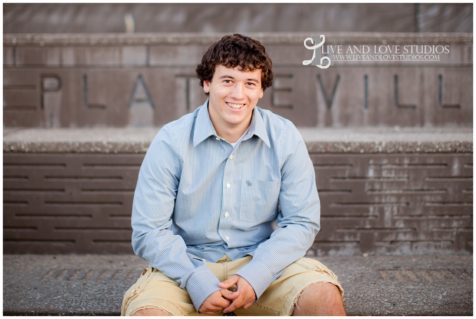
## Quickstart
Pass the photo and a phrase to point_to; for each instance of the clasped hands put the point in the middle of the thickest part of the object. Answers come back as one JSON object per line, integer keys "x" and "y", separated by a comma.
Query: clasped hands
{"x": 234, "y": 293}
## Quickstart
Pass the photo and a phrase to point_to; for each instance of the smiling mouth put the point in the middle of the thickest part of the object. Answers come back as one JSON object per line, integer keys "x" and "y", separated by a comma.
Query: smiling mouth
{"x": 235, "y": 106}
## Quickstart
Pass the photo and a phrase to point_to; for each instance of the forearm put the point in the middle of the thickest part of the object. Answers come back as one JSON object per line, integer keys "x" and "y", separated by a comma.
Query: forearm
{"x": 298, "y": 220}
{"x": 167, "y": 252}
{"x": 152, "y": 237}
{"x": 286, "y": 245}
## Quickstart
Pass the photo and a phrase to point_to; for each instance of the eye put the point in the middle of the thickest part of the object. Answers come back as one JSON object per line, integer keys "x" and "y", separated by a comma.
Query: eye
{"x": 227, "y": 81}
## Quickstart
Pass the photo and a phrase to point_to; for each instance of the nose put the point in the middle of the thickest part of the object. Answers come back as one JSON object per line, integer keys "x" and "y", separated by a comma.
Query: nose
{"x": 237, "y": 91}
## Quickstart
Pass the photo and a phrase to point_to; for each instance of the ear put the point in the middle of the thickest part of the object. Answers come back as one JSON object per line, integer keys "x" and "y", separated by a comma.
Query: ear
{"x": 261, "y": 93}
{"x": 206, "y": 86}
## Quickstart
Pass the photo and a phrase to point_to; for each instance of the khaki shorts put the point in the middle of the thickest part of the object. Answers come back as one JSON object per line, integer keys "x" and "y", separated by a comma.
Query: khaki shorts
{"x": 154, "y": 290}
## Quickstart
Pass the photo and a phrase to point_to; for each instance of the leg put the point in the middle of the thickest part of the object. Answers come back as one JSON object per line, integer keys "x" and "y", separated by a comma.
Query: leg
{"x": 303, "y": 286}
{"x": 154, "y": 294}
{"x": 151, "y": 312}
{"x": 320, "y": 299}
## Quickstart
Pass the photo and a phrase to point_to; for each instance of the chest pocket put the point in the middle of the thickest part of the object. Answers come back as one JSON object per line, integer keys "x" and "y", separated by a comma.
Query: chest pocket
{"x": 259, "y": 201}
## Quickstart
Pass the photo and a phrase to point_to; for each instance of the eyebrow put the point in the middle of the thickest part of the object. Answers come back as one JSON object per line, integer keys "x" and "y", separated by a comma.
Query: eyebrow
{"x": 230, "y": 77}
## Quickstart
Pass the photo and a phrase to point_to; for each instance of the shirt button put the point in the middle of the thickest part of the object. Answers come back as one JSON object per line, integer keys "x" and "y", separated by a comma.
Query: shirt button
{"x": 228, "y": 185}
{"x": 231, "y": 157}
{"x": 227, "y": 238}
{"x": 227, "y": 214}
{"x": 217, "y": 138}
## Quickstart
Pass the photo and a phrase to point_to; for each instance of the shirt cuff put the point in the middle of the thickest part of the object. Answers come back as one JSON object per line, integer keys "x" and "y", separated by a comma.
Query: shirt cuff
{"x": 201, "y": 284}
{"x": 258, "y": 275}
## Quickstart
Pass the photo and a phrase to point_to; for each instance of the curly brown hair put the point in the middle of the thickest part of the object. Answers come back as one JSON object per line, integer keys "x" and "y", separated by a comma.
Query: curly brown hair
{"x": 236, "y": 50}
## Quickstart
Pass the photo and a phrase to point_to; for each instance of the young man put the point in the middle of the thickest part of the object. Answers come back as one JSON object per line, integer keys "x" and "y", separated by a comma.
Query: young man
{"x": 226, "y": 204}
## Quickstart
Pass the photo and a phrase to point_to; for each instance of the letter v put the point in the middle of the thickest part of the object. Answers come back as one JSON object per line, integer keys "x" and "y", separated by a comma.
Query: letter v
{"x": 329, "y": 99}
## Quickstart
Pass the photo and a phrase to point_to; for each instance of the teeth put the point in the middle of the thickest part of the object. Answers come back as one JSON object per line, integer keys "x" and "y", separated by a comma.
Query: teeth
{"x": 235, "y": 106}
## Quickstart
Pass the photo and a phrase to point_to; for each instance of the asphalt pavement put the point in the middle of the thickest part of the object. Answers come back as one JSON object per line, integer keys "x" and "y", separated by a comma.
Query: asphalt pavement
{"x": 374, "y": 285}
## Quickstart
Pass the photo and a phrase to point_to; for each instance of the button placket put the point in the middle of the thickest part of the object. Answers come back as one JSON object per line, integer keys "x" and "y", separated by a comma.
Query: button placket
{"x": 228, "y": 193}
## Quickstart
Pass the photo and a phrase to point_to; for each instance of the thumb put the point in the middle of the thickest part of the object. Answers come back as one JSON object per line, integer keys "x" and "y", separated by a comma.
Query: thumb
{"x": 230, "y": 282}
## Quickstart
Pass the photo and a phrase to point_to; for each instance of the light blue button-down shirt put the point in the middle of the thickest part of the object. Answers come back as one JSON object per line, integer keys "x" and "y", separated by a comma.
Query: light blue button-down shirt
{"x": 198, "y": 198}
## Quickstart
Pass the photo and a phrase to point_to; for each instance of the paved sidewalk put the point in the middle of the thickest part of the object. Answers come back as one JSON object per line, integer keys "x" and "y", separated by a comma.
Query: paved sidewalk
{"x": 94, "y": 284}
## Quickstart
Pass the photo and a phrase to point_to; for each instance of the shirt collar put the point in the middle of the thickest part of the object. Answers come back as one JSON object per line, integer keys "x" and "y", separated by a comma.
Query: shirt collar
{"x": 204, "y": 127}
{"x": 258, "y": 128}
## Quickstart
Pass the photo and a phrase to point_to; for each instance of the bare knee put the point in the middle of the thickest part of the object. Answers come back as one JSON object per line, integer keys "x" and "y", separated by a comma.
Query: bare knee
{"x": 151, "y": 312}
{"x": 320, "y": 298}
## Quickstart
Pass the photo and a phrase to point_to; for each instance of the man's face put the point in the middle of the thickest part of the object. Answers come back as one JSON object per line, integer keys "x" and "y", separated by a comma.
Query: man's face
{"x": 233, "y": 94}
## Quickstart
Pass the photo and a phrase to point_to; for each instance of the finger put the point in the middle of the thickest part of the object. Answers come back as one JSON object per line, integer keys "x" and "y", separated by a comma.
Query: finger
{"x": 248, "y": 304}
{"x": 242, "y": 282}
{"x": 213, "y": 306}
{"x": 211, "y": 309}
{"x": 230, "y": 295}
{"x": 229, "y": 309}
{"x": 222, "y": 303}
{"x": 238, "y": 303}
{"x": 206, "y": 311}
{"x": 230, "y": 282}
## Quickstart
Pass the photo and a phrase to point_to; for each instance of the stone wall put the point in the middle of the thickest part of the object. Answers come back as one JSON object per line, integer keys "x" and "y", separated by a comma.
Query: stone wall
{"x": 236, "y": 17}
{"x": 138, "y": 80}
{"x": 80, "y": 109}
{"x": 383, "y": 192}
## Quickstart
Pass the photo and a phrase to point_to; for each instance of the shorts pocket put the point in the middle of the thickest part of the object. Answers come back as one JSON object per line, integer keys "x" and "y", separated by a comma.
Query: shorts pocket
{"x": 135, "y": 289}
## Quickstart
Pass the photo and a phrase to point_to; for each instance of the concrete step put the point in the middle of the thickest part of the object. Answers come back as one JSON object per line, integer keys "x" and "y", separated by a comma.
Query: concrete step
{"x": 329, "y": 140}
{"x": 379, "y": 285}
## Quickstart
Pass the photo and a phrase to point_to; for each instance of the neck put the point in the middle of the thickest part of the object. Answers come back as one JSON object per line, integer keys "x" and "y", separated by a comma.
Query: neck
{"x": 232, "y": 134}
